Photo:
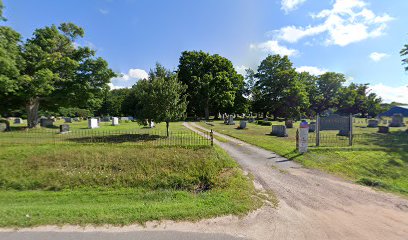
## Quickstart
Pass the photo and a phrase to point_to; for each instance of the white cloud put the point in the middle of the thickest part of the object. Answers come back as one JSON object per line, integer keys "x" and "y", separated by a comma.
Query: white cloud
{"x": 274, "y": 47}
{"x": 133, "y": 73}
{"x": 241, "y": 69}
{"x": 103, "y": 11}
{"x": 290, "y": 5}
{"x": 128, "y": 79}
{"x": 391, "y": 94}
{"x": 312, "y": 70}
{"x": 348, "y": 21}
{"x": 112, "y": 87}
{"x": 376, "y": 56}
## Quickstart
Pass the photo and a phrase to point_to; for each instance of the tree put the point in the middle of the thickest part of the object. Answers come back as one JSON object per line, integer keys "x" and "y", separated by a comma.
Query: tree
{"x": 280, "y": 88}
{"x": 1, "y": 11}
{"x": 55, "y": 73}
{"x": 113, "y": 103}
{"x": 161, "y": 97}
{"x": 10, "y": 64}
{"x": 404, "y": 53}
{"x": 211, "y": 80}
{"x": 327, "y": 91}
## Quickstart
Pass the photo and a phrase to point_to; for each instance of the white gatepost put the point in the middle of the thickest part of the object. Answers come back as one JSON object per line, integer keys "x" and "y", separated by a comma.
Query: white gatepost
{"x": 303, "y": 137}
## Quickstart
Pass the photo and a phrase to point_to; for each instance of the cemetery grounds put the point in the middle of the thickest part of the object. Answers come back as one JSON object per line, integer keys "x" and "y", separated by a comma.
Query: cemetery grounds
{"x": 117, "y": 175}
{"x": 375, "y": 159}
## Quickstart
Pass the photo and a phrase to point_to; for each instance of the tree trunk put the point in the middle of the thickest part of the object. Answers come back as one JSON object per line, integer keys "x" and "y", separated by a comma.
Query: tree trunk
{"x": 32, "y": 112}
{"x": 167, "y": 127}
{"x": 207, "y": 113}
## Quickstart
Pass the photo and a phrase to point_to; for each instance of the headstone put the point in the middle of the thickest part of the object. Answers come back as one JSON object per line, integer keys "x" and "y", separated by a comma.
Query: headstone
{"x": 76, "y": 119}
{"x": 312, "y": 127}
{"x": 372, "y": 123}
{"x": 3, "y": 127}
{"x": 68, "y": 120}
{"x": 124, "y": 119}
{"x": 18, "y": 121}
{"x": 115, "y": 121}
{"x": 44, "y": 122}
{"x": 64, "y": 128}
{"x": 344, "y": 132}
{"x": 383, "y": 129}
{"x": 151, "y": 124}
{"x": 93, "y": 123}
{"x": 289, "y": 124}
{"x": 279, "y": 130}
{"x": 106, "y": 119}
{"x": 397, "y": 120}
{"x": 251, "y": 120}
{"x": 130, "y": 118}
{"x": 242, "y": 124}
{"x": 98, "y": 119}
{"x": 231, "y": 120}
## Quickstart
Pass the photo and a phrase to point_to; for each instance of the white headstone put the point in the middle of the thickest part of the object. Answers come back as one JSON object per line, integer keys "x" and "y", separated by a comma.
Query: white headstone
{"x": 115, "y": 121}
{"x": 151, "y": 124}
{"x": 93, "y": 123}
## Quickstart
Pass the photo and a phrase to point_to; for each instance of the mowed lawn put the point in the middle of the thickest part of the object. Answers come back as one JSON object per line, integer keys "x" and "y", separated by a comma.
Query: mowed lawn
{"x": 375, "y": 160}
{"x": 119, "y": 183}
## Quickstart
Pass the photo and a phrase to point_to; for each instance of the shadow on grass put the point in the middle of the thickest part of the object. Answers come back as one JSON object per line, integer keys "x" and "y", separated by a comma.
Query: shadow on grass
{"x": 117, "y": 138}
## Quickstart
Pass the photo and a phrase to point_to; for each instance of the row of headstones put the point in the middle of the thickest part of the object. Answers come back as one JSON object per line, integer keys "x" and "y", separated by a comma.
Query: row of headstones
{"x": 396, "y": 121}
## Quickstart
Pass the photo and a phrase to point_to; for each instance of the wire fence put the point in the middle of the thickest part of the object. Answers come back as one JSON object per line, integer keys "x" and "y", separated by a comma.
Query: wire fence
{"x": 393, "y": 140}
{"x": 134, "y": 137}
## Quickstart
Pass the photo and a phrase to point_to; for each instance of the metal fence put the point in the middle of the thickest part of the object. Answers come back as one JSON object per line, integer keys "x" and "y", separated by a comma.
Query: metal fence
{"x": 135, "y": 137}
{"x": 393, "y": 140}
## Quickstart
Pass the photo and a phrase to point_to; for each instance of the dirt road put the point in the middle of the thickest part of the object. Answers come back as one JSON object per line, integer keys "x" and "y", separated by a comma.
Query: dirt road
{"x": 312, "y": 204}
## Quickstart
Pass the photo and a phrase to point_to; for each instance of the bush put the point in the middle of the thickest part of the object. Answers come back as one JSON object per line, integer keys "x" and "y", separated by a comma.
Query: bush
{"x": 264, "y": 123}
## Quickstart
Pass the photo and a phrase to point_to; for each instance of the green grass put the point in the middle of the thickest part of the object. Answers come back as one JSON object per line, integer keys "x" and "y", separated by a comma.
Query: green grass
{"x": 372, "y": 161}
{"x": 119, "y": 183}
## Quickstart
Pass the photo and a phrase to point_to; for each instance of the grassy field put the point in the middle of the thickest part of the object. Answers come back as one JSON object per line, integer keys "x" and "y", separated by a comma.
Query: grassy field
{"x": 119, "y": 183}
{"x": 375, "y": 159}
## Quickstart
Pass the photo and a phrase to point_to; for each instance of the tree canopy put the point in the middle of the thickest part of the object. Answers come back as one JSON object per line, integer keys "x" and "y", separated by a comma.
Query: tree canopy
{"x": 53, "y": 71}
{"x": 211, "y": 80}
{"x": 160, "y": 98}
{"x": 404, "y": 53}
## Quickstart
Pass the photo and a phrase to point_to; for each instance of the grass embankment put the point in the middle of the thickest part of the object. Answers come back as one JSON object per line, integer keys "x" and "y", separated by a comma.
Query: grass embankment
{"x": 118, "y": 184}
{"x": 376, "y": 162}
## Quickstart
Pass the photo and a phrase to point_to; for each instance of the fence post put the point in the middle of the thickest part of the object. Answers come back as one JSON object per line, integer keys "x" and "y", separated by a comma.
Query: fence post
{"x": 351, "y": 130}
{"x": 317, "y": 130}
{"x": 297, "y": 139}
{"x": 212, "y": 137}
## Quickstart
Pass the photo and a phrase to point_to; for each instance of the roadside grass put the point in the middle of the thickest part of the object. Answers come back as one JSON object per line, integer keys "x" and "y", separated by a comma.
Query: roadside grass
{"x": 119, "y": 185}
{"x": 374, "y": 162}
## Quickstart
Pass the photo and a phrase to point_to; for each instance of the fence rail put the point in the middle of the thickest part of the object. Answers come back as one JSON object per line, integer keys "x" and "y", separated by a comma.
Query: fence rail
{"x": 361, "y": 139}
{"x": 135, "y": 137}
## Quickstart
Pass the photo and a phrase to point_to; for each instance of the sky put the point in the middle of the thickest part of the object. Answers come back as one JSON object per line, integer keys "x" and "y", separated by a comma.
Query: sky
{"x": 359, "y": 38}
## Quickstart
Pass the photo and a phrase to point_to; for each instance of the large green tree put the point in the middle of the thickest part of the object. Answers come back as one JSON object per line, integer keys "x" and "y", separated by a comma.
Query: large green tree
{"x": 114, "y": 103}
{"x": 280, "y": 88}
{"x": 56, "y": 73}
{"x": 326, "y": 94}
{"x": 160, "y": 98}
{"x": 211, "y": 80}
{"x": 11, "y": 63}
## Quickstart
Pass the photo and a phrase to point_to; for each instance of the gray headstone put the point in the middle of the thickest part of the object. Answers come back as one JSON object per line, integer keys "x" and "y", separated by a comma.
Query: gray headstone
{"x": 231, "y": 120}
{"x": 18, "y": 121}
{"x": 344, "y": 132}
{"x": 397, "y": 120}
{"x": 289, "y": 124}
{"x": 124, "y": 119}
{"x": 251, "y": 120}
{"x": 279, "y": 130}
{"x": 68, "y": 120}
{"x": 3, "y": 127}
{"x": 242, "y": 124}
{"x": 372, "y": 123}
{"x": 64, "y": 128}
{"x": 312, "y": 127}
{"x": 383, "y": 129}
{"x": 44, "y": 122}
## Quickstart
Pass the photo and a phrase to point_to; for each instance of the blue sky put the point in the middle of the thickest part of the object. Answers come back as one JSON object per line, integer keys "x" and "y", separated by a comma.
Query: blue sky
{"x": 360, "y": 38}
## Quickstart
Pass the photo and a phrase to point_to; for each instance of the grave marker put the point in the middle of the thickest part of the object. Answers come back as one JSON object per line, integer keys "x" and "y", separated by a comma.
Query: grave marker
{"x": 242, "y": 124}
{"x": 279, "y": 130}
{"x": 115, "y": 121}
{"x": 93, "y": 123}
